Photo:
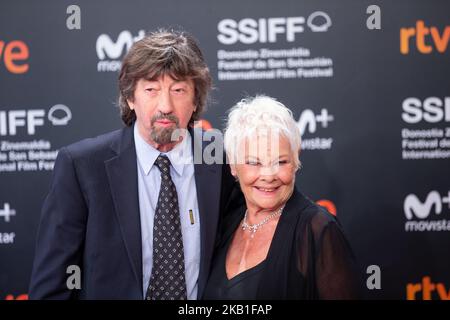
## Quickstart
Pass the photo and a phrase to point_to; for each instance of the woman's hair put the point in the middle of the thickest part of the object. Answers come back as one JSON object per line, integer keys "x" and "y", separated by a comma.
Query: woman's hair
{"x": 261, "y": 114}
{"x": 172, "y": 53}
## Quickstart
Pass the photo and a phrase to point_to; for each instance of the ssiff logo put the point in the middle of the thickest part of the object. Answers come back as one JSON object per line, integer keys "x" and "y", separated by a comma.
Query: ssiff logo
{"x": 431, "y": 110}
{"x": 11, "y": 120}
{"x": 263, "y": 30}
{"x": 418, "y": 212}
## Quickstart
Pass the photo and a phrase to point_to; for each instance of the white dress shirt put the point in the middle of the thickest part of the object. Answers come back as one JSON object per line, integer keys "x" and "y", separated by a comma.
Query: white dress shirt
{"x": 149, "y": 183}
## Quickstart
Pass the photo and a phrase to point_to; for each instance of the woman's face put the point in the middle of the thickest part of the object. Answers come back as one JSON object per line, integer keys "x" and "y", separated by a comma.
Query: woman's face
{"x": 266, "y": 173}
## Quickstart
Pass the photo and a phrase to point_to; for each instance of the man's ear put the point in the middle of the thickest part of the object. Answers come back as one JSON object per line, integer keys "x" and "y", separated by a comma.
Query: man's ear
{"x": 130, "y": 104}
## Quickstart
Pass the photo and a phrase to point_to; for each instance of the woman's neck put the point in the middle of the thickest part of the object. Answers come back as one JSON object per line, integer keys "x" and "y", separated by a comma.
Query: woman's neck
{"x": 257, "y": 214}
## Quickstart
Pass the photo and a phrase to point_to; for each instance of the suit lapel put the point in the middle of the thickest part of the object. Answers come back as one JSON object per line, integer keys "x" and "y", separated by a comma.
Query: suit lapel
{"x": 208, "y": 179}
{"x": 122, "y": 176}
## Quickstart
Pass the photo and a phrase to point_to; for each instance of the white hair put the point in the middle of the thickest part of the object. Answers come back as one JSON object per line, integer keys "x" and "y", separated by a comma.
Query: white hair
{"x": 253, "y": 115}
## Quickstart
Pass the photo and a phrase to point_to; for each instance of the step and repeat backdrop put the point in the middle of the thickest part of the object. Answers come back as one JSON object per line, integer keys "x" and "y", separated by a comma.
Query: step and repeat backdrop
{"x": 368, "y": 82}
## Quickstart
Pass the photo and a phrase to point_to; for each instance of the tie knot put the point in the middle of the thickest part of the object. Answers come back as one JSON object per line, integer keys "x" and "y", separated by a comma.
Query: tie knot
{"x": 163, "y": 163}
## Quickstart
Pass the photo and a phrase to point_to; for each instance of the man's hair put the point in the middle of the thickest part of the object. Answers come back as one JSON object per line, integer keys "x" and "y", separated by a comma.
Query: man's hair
{"x": 173, "y": 53}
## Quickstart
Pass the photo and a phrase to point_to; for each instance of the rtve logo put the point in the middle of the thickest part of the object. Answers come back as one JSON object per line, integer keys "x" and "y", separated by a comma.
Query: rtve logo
{"x": 10, "y": 121}
{"x": 308, "y": 120}
{"x": 14, "y": 55}
{"x": 427, "y": 39}
{"x": 18, "y": 297}
{"x": 107, "y": 48}
{"x": 426, "y": 287}
{"x": 265, "y": 30}
{"x": 417, "y": 211}
{"x": 329, "y": 205}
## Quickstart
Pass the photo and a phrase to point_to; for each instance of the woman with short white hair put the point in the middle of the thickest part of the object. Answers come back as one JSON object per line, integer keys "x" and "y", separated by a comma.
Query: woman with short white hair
{"x": 280, "y": 244}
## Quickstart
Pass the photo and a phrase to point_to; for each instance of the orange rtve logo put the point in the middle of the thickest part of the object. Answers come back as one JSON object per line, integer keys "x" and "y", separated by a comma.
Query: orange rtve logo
{"x": 329, "y": 205}
{"x": 422, "y": 35}
{"x": 13, "y": 52}
{"x": 204, "y": 124}
{"x": 426, "y": 287}
{"x": 19, "y": 297}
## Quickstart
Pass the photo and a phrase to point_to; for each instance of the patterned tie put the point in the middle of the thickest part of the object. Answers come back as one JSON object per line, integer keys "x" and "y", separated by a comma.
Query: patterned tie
{"x": 167, "y": 281}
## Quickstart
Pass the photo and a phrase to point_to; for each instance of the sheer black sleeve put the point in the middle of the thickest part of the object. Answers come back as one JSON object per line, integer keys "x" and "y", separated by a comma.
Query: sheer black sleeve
{"x": 326, "y": 259}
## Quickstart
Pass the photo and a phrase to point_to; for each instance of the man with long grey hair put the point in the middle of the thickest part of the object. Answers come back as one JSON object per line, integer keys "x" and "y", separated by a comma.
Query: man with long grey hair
{"x": 139, "y": 223}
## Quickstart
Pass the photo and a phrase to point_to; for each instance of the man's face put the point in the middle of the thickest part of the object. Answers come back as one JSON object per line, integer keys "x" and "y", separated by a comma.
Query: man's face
{"x": 161, "y": 106}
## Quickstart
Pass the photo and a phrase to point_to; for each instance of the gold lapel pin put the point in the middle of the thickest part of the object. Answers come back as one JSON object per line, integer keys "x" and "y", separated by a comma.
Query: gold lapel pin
{"x": 191, "y": 216}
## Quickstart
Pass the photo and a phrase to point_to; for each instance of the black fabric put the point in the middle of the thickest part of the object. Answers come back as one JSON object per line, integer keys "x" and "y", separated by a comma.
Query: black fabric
{"x": 309, "y": 257}
{"x": 167, "y": 281}
{"x": 243, "y": 286}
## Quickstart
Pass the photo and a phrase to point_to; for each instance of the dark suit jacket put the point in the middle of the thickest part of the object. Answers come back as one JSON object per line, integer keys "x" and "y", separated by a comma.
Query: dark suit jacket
{"x": 90, "y": 218}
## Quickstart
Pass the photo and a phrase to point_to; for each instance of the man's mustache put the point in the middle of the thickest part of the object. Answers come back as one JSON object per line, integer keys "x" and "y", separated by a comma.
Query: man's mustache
{"x": 168, "y": 117}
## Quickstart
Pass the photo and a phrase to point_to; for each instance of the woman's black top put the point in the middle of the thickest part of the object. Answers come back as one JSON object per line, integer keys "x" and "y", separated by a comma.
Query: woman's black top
{"x": 309, "y": 258}
{"x": 242, "y": 286}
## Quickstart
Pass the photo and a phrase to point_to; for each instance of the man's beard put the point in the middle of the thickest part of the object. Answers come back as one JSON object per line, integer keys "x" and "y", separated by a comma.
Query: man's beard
{"x": 163, "y": 135}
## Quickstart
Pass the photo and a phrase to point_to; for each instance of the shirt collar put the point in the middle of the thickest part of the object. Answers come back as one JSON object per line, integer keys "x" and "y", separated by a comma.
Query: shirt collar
{"x": 179, "y": 157}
